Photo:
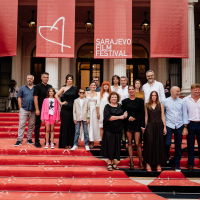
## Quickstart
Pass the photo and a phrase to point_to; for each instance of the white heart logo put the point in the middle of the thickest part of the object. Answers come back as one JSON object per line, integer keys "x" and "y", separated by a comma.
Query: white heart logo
{"x": 53, "y": 27}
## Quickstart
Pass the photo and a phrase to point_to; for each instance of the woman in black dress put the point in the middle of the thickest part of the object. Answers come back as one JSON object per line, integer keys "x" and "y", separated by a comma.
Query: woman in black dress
{"x": 112, "y": 126}
{"x": 154, "y": 137}
{"x": 135, "y": 122}
{"x": 67, "y": 127}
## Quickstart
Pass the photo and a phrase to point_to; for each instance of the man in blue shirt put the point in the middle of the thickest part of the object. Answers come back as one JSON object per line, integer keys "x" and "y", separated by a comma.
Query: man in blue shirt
{"x": 176, "y": 122}
{"x": 27, "y": 110}
{"x": 96, "y": 80}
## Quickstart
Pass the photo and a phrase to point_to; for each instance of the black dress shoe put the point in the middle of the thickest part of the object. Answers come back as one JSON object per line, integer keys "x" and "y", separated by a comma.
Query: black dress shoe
{"x": 190, "y": 168}
{"x": 38, "y": 145}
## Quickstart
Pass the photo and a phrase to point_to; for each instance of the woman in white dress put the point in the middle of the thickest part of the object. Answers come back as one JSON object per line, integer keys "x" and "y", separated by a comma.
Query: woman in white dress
{"x": 102, "y": 100}
{"x": 115, "y": 81}
{"x": 93, "y": 126}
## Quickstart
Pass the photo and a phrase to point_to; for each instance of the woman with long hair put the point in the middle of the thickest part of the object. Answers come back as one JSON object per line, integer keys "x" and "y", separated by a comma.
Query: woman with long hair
{"x": 154, "y": 137}
{"x": 135, "y": 122}
{"x": 138, "y": 89}
{"x": 102, "y": 100}
{"x": 67, "y": 128}
{"x": 115, "y": 83}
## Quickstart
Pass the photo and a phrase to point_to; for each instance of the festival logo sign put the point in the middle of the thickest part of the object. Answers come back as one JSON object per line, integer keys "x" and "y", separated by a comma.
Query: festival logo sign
{"x": 169, "y": 29}
{"x": 8, "y": 27}
{"x": 113, "y": 29}
{"x": 54, "y": 37}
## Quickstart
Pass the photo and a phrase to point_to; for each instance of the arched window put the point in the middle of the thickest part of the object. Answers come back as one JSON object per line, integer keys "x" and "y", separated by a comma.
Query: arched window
{"x": 86, "y": 51}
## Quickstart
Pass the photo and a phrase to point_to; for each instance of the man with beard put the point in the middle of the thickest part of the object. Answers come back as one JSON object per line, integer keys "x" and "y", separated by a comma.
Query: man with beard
{"x": 27, "y": 110}
{"x": 153, "y": 85}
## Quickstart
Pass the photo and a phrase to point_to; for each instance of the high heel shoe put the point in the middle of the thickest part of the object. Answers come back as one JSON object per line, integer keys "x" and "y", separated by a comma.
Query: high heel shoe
{"x": 131, "y": 165}
{"x": 142, "y": 166}
{"x": 148, "y": 168}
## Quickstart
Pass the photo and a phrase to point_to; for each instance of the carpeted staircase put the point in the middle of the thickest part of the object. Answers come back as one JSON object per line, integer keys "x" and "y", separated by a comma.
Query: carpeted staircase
{"x": 27, "y": 172}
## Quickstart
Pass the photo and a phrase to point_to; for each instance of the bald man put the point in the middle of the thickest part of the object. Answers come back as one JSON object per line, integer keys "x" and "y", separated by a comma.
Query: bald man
{"x": 176, "y": 122}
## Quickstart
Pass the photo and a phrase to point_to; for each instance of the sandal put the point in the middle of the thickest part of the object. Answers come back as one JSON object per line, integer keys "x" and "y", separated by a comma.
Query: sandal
{"x": 66, "y": 147}
{"x": 109, "y": 167}
{"x": 91, "y": 146}
{"x": 142, "y": 166}
{"x": 115, "y": 167}
{"x": 149, "y": 169}
{"x": 131, "y": 166}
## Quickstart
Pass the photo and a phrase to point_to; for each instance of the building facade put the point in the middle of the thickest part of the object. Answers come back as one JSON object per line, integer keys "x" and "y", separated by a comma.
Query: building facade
{"x": 181, "y": 72}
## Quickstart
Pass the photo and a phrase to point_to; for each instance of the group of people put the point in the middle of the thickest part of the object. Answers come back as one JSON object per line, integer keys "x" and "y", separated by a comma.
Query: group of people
{"x": 112, "y": 114}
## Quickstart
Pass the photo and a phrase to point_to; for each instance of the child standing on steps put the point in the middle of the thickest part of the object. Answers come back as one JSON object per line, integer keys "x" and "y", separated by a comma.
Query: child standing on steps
{"x": 50, "y": 115}
{"x": 81, "y": 115}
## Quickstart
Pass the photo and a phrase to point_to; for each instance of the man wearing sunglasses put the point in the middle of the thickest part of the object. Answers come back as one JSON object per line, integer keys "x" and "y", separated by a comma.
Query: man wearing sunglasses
{"x": 153, "y": 85}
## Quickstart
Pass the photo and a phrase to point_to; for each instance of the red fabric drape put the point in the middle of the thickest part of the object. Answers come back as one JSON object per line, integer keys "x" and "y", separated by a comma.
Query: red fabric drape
{"x": 55, "y": 28}
{"x": 169, "y": 29}
{"x": 113, "y": 29}
{"x": 8, "y": 27}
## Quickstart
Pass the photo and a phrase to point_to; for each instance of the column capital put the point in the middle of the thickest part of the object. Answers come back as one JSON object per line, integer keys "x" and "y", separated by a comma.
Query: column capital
{"x": 192, "y": 2}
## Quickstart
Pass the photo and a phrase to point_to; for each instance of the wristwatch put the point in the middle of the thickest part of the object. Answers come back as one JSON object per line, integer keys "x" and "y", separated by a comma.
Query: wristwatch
{"x": 185, "y": 126}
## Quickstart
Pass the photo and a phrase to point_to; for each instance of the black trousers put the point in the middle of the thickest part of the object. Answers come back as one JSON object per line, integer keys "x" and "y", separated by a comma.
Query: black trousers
{"x": 14, "y": 102}
{"x": 37, "y": 129}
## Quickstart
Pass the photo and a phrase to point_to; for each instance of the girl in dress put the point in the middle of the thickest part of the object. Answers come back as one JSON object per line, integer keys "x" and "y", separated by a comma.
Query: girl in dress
{"x": 154, "y": 137}
{"x": 93, "y": 126}
{"x": 115, "y": 81}
{"x": 102, "y": 100}
{"x": 50, "y": 115}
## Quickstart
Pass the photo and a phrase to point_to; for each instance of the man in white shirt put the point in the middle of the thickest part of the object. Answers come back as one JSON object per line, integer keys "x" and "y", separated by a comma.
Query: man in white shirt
{"x": 153, "y": 85}
{"x": 192, "y": 103}
{"x": 123, "y": 90}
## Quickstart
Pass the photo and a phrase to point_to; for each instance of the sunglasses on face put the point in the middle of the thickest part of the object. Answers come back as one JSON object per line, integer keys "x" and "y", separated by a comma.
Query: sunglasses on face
{"x": 81, "y": 92}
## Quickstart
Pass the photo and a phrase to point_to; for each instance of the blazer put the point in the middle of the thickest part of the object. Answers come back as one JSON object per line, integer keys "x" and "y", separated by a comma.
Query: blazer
{"x": 77, "y": 109}
{"x": 45, "y": 110}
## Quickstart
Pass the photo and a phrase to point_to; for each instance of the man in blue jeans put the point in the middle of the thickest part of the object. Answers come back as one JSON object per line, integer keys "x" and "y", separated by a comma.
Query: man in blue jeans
{"x": 81, "y": 116}
{"x": 176, "y": 122}
{"x": 192, "y": 103}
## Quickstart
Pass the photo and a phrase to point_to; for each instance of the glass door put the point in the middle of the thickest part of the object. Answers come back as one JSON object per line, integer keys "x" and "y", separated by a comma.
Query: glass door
{"x": 136, "y": 69}
{"x": 87, "y": 69}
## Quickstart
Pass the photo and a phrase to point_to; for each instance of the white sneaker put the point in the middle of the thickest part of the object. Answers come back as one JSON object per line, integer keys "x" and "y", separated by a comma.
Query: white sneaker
{"x": 47, "y": 145}
{"x": 87, "y": 148}
{"x": 74, "y": 148}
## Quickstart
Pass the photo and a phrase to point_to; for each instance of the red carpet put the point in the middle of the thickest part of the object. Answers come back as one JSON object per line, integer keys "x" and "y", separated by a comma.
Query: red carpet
{"x": 27, "y": 172}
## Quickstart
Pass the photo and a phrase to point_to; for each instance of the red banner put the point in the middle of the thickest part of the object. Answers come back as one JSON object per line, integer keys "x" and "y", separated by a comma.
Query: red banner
{"x": 113, "y": 29}
{"x": 8, "y": 27}
{"x": 55, "y": 28}
{"x": 169, "y": 29}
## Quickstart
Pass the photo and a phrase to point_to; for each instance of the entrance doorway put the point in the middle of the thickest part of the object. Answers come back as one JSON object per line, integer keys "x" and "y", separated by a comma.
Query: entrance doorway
{"x": 87, "y": 66}
{"x": 37, "y": 67}
{"x": 137, "y": 66}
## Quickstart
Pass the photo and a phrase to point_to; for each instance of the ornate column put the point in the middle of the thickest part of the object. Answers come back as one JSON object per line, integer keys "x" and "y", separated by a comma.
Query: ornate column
{"x": 188, "y": 64}
{"x": 52, "y": 68}
{"x": 73, "y": 69}
{"x": 17, "y": 63}
{"x": 64, "y": 70}
{"x": 163, "y": 74}
{"x": 120, "y": 67}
